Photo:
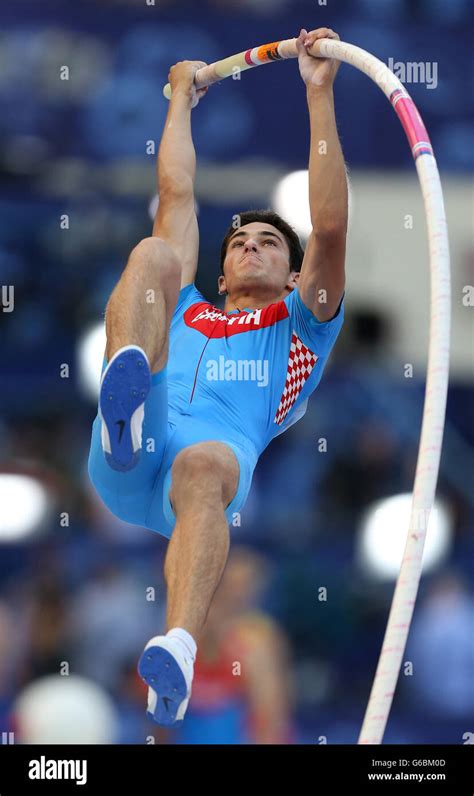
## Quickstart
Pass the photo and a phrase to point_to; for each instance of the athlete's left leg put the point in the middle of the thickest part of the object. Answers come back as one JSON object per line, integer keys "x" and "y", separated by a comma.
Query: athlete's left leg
{"x": 204, "y": 481}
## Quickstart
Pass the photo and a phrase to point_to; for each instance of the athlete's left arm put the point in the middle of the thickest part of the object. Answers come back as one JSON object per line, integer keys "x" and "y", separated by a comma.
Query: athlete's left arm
{"x": 322, "y": 279}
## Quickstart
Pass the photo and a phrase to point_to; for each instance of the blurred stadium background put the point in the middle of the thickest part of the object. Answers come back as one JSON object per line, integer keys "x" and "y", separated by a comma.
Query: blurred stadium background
{"x": 81, "y": 592}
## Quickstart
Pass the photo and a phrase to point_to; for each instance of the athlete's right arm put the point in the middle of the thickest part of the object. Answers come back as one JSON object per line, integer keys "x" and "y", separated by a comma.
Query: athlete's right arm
{"x": 176, "y": 220}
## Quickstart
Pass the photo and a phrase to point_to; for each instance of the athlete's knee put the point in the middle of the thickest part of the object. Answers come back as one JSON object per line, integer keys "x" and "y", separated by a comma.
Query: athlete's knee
{"x": 157, "y": 254}
{"x": 196, "y": 462}
{"x": 206, "y": 468}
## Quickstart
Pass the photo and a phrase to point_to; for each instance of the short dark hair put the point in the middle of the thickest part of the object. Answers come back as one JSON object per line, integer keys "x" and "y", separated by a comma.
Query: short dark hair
{"x": 268, "y": 217}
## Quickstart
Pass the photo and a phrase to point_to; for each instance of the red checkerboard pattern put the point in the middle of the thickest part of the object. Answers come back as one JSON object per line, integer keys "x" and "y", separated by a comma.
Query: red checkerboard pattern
{"x": 300, "y": 364}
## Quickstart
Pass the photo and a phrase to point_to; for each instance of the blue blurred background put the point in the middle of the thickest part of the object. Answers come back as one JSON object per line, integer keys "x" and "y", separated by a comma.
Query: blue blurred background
{"x": 75, "y": 585}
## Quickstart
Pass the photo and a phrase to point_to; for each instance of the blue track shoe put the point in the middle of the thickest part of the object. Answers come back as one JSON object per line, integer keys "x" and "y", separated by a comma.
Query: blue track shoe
{"x": 124, "y": 386}
{"x": 169, "y": 676}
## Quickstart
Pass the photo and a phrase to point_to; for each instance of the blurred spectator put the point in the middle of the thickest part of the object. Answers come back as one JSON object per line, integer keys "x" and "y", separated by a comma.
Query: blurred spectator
{"x": 441, "y": 647}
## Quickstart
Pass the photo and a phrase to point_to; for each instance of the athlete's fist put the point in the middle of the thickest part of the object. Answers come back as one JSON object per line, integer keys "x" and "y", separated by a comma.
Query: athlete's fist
{"x": 181, "y": 78}
{"x": 316, "y": 72}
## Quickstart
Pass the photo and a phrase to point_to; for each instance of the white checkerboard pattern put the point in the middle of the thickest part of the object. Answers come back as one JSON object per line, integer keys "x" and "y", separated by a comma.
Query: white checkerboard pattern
{"x": 300, "y": 364}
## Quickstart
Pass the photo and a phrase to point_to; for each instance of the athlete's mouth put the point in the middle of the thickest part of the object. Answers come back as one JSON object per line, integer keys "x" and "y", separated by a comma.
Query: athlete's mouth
{"x": 251, "y": 254}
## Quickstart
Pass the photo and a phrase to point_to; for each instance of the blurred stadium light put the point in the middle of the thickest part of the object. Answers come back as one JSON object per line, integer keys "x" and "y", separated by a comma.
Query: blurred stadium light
{"x": 290, "y": 198}
{"x": 90, "y": 354}
{"x": 65, "y": 710}
{"x": 25, "y": 505}
{"x": 383, "y": 532}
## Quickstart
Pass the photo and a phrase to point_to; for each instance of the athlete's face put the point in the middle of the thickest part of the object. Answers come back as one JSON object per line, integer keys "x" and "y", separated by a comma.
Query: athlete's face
{"x": 257, "y": 258}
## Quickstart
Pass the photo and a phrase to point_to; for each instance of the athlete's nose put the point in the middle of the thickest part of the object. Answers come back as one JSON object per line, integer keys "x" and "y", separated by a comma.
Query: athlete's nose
{"x": 250, "y": 244}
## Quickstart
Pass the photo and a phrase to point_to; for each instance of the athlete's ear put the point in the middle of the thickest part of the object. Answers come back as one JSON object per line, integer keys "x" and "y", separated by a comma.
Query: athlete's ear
{"x": 293, "y": 279}
{"x": 221, "y": 285}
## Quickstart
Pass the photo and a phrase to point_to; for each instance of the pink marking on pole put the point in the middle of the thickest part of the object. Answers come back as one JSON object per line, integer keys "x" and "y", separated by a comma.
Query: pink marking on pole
{"x": 248, "y": 57}
{"x": 412, "y": 123}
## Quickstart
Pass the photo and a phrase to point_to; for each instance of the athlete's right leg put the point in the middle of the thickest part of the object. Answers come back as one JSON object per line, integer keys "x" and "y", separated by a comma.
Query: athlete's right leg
{"x": 141, "y": 306}
{"x": 138, "y": 316}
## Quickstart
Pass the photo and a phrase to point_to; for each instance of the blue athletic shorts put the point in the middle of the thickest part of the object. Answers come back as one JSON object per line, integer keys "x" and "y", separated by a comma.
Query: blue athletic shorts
{"x": 141, "y": 496}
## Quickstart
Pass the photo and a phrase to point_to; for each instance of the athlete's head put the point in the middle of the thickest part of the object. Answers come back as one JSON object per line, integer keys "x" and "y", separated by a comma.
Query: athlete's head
{"x": 262, "y": 254}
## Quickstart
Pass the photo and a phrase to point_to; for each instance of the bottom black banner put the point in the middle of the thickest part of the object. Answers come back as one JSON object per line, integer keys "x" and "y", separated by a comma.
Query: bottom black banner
{"x": 369, "y": 769}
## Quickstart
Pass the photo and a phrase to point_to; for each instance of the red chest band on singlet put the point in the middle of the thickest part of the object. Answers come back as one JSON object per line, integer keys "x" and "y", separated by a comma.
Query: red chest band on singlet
{"x": 211, "y": 321}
